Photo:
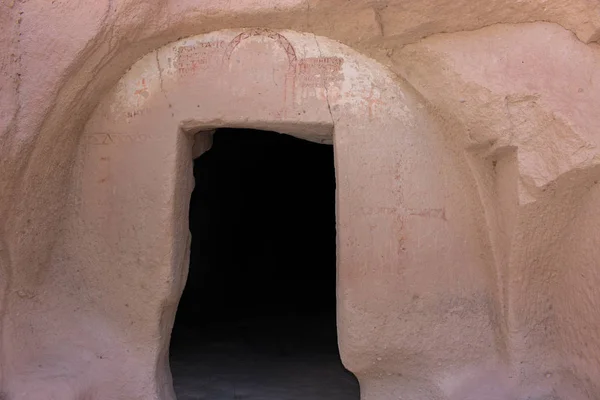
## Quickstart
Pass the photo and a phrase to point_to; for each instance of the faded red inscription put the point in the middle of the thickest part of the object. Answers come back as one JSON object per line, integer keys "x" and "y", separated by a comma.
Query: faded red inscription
{"x": 318, "y": 71}
{"x": 142, "y": 89}
{"x": 197, "y": 57}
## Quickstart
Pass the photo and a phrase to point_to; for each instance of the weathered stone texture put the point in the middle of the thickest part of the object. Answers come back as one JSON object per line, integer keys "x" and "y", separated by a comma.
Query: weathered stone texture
{"x": 466, "y": 138}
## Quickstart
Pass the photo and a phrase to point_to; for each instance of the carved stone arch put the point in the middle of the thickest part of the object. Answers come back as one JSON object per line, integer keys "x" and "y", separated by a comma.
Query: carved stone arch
{"x": 125, "y": 247}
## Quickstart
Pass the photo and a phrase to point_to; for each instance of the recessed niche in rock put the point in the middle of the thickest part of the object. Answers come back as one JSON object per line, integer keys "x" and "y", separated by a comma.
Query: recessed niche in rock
{"x": 257, "y": 319}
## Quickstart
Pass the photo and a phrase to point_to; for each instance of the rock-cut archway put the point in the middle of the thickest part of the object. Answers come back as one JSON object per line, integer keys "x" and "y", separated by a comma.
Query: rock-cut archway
{"x": 126, "y": 245}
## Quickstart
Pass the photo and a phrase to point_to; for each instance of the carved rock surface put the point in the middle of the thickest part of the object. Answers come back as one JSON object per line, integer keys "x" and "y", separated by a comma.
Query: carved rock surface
{"x": 468, "y": 222}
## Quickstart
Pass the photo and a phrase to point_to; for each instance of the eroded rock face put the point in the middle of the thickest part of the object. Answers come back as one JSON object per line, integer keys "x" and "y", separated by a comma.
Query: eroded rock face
{"x": 467, "y": 175}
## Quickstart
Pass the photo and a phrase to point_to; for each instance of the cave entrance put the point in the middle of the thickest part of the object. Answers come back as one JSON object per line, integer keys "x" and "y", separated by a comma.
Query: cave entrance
{"x": 257, "y": 319}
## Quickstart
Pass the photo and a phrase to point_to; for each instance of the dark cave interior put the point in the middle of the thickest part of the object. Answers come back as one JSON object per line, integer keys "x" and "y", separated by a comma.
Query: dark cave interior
{"x": 257, "y": 317}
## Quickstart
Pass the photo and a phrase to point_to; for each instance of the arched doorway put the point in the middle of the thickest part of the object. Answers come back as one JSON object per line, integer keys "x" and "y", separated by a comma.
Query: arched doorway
{"x": 128, "y": 240}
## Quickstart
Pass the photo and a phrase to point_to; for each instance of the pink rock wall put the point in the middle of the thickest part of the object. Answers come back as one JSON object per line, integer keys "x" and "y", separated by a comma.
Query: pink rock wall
{"x": 512, "y": 101}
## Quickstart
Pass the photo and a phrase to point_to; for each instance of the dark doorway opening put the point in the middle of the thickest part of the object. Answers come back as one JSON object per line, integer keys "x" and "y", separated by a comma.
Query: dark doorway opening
{"x": 257, "y": 317}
